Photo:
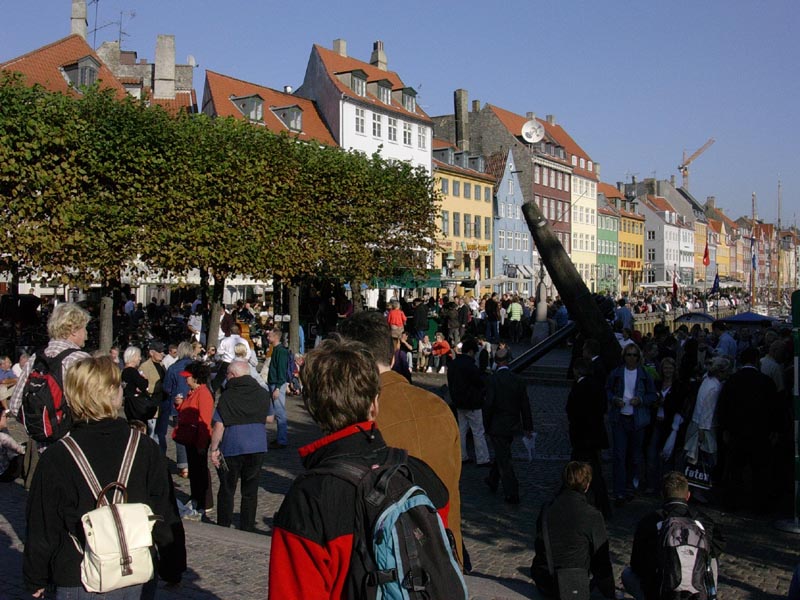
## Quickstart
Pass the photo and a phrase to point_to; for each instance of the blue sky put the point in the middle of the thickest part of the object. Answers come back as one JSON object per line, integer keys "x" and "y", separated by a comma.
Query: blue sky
{"x": 635, "y": 83}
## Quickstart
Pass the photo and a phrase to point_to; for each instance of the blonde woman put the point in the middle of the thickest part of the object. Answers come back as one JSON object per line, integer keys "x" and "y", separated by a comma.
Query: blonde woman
{"x": 59, "y": 495}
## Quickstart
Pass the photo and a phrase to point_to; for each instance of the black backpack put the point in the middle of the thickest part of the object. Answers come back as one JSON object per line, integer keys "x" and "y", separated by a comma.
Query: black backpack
{"x": 401, "y": 549}
{"x": 684, "y": 560}
{"x": 44, "y": 411}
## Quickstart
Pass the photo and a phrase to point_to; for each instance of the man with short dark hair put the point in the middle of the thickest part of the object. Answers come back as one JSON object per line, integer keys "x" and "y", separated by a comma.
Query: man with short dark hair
{"x": 577, "y": 537}
{"x": 508, "y": 413}
{"x": 312, "y": 539}
{"x": 237, "y": 437}
{"x": 278, "y": 382}
{"x": 641, "y": 579}
{"x": 468, "y": 391}
{"x": 411, "y": 417}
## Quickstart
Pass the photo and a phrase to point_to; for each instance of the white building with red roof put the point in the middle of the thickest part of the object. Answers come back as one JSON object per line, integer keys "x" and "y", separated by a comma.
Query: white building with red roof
{"x": 662, "y": 239}
{"x": 367, "y": 107}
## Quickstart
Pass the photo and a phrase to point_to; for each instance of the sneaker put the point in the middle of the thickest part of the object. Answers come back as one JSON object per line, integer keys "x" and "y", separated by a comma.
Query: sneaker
{"x": 192, "y": 515}
{"x": 430, "y": 370}
{"x": 441, "y": 370}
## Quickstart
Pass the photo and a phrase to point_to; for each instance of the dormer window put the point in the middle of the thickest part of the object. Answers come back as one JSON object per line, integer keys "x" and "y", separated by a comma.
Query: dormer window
{"x": 409, "y": 103}
{"x": 589, "y": 166}
{"x": 359, "y": 85}
{"x": 83, "y": 73}
{"x": 291, "y": 116}
{"x": 384, "y": 94}
{"x": 251, "y": 107}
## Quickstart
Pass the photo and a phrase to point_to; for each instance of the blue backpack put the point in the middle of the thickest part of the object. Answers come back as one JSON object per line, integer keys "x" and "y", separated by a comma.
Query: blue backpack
{"x": 401, "y": 550}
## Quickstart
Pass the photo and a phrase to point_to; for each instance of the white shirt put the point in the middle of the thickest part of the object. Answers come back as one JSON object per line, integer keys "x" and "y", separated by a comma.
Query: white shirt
{"x": 706, "y": 404}
{"x": 630, "y": 391}
{"x": 168, "y": 361}
{"x": 227, "y": 348}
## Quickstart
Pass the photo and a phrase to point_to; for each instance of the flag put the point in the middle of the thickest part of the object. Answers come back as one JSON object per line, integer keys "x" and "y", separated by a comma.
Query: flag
{"x": 675, "y": 283}
{"x": 753, "y": 253}
{"x": 715, "y": 287}
{"x": 706, "y": 259}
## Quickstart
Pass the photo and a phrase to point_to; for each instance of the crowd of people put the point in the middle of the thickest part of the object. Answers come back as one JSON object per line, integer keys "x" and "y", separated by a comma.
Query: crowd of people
{"x": 678, "y": 410}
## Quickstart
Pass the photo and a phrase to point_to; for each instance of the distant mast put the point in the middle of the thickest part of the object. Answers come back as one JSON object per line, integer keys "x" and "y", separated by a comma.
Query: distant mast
{"x": 778, "y": 245}
{"x": 753, "y": 256}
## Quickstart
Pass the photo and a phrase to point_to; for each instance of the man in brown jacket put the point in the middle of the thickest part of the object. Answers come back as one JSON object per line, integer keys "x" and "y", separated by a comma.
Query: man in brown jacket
{"x": 411, "y": 417}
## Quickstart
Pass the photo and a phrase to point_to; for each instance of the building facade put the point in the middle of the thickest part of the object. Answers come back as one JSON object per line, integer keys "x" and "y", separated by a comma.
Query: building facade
{"x": 367, "y": 107}
{"x": 608, "y": 220}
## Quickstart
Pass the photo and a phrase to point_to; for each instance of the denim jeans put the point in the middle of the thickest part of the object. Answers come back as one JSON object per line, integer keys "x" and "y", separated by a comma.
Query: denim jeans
{"x": 492, "y": 331}
{"x": 248, "y": 468}
{"x": 628, "y": 442}
{"x": 279, "y": 406}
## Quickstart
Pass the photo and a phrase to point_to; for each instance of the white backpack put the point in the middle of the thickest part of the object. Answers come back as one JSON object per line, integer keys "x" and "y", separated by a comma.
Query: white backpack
{"x": 119, "y": 537}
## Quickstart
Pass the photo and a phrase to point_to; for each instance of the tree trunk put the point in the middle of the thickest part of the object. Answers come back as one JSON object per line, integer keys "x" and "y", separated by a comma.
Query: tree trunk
{"x": 216, "y": 311}
{"x": 573, "y": 291}
{"x": 355, "y": 290}
{"x": 294, "y": 316}
{"x": 106, "y": 321}
{"x": 14, "y": 289}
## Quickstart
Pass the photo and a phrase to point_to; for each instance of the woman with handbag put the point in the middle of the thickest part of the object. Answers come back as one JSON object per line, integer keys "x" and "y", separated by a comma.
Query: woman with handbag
{"x": 60, "y": 495}
{"x": 194, "y": 433}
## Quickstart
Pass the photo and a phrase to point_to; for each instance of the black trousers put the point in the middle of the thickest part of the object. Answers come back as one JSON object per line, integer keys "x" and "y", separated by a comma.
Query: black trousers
{"x": 502, "y": 468}
{"x": 199, "y": 477}
{"x": 246, "y": 467}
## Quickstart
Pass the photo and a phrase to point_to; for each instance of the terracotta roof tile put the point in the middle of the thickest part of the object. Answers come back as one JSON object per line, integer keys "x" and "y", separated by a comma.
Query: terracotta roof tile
{"x": 184, "y": 101}
{"x": 44, "y": 65}
{"x": 609, "y": 191}
{"x": 715, "y": 226}
{"x": 495, "y": 165}
{"x": 336, "y": 63}
{"x": 562, "y": 138}
{"x": 222, "y": 87}
{"x": 660, "y": 204}
{"x": 443, "y": 166}
{"x": 439, "y": 144}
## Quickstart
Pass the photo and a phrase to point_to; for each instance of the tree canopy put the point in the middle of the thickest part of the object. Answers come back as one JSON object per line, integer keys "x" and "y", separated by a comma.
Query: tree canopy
{"x": 92, "y": 185}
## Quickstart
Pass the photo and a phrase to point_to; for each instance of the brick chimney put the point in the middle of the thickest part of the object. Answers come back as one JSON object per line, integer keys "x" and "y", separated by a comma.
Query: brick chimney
{"x": 378, "y": 58}
{"x": 460, "y": 101}
{"x": 164, "y": 86}
{"x": 340, "y": 47}
{"x": 78, "y": 23}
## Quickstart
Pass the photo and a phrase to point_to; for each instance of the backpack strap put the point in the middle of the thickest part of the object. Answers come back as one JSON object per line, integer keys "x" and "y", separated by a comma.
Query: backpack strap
{"x": 83, "y": 465}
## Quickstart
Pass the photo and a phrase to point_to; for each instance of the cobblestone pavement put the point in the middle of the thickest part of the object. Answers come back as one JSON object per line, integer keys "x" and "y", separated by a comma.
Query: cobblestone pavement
{"x": 228, "y": 564}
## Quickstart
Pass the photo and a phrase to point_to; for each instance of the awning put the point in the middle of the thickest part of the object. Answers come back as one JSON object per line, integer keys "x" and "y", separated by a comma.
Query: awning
{"x": 525, "y": 272}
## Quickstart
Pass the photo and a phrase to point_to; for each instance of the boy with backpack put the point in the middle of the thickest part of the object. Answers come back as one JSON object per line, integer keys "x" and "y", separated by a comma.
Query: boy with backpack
{"x": 364, "y": 519}
{"x": 675, "y": 552}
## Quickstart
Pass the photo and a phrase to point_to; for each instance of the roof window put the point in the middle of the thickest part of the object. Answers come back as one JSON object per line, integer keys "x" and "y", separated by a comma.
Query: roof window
{"x": 251, "y": 107}
{"x": 83, "y": 73}
{"x": 291, "y": 116}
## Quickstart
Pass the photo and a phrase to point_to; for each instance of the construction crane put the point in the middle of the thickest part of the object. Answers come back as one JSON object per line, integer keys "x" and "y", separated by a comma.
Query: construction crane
{"x": 684, "y": 166}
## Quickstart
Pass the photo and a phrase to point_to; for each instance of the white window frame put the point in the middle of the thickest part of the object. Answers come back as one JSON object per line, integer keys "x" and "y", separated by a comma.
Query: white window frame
{"x": 377, "y": 125}
{"x": 407, "y": 134}
{"x": 391, "y": 125}
{"x": 361, "y": 117}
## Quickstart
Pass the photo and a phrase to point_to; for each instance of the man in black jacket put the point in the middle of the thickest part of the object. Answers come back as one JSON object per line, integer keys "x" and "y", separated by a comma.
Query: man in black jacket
{"x": 237, "y": 434}
{"x": 468, "y": 390}
{"x": 508, "y": 413}
{"x": 641, "y": 578}
{"x": 586, "y": 409}
{"x": 577, "y": 535}
{"x": 747, "y": 426}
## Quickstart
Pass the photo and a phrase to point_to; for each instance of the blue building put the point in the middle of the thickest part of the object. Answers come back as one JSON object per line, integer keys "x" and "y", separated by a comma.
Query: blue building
{"x": 512, "y": 241}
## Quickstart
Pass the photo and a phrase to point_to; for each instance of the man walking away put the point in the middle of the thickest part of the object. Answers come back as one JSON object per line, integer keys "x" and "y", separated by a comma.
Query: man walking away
{"x": 468, "y": 390}
{"x": 508, "y": 413}
{"x": 238, "y": 444}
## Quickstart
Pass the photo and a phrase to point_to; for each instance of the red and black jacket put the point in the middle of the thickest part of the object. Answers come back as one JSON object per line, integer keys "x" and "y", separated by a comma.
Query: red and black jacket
{"x": 312, "y": 539}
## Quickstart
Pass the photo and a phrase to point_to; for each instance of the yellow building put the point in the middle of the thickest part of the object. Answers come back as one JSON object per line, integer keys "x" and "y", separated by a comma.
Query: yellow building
{"x": 631, "y": 244}
{"x": 466, "y": 217}
{"x": 717, "y": 237}
{"x": 700, "y": 239}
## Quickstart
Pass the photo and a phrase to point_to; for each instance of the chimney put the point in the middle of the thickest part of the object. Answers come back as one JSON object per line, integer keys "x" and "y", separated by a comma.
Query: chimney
{"x": 621, "y": 187}
{"x": 460, "y": 100}
{"x": 551, "y": 119}
{"x": 165, "y": 67}
{"x": 378, "y": 58}
{"x": 287, "y": 89}
{"x": 711, "y": 202}
{"x": 476, "y": 106}
{"x": 340, "y": 47}
{"x": 530, "y": 116}
{"x": 78, "y": 22}
{"x": 672, "y": 180}
{"x": 597, "y": 169}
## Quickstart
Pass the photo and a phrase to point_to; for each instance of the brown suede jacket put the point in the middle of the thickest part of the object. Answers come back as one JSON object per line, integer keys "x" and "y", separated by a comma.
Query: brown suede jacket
{"x": 412, "y": 418}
